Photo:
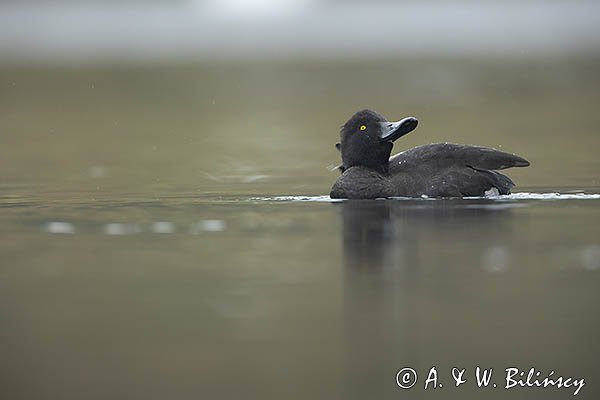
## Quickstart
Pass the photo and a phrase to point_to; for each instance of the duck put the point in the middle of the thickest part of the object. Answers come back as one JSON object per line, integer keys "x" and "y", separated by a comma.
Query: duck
{"x": 440, "y": 170}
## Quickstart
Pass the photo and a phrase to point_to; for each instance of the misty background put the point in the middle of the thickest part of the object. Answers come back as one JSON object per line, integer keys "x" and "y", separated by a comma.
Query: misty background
{"x": 143, "y": 31}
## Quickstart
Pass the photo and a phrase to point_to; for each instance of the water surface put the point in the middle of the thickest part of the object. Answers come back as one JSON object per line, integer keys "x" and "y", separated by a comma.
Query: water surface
{"x": 227, "y": 296}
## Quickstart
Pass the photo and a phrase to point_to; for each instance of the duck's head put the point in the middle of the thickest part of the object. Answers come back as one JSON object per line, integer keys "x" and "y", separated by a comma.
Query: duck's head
{"x": 366, "y": 139}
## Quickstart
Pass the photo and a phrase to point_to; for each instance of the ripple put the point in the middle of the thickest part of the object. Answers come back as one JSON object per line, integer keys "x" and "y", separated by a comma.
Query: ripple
{"x": 590, "y": 257}
{"x": 163, "y": 227}
{"x": 122, "y": 229}
{"x": 322, "y": 199}
{"x": 548, "y": 196}
{"x": 208, "y": 225}
{"x": 59, "y": 227}
{"x": 132, "y": 228}
{"x": 513, "y": 196}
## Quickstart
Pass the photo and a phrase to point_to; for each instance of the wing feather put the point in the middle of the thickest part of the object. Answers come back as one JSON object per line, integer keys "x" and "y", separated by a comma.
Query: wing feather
{"x": 450, "y": 154}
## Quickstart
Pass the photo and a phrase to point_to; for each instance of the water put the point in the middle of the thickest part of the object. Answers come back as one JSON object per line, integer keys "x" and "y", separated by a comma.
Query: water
{"x": 294, "y": 297}
{"x": 166, "y": 233}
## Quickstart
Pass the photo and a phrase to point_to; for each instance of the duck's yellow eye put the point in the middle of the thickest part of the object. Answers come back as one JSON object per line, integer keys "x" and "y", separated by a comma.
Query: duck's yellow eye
{"x": 363, "y": 128}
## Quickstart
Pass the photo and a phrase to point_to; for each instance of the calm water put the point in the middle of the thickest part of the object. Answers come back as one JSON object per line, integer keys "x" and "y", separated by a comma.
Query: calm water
{"x": 165, "y": 233}
{"x": 189, "y": 296}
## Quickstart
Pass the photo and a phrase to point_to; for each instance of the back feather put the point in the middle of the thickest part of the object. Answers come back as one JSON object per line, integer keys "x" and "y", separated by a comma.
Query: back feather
{"x": 448, "y": 154}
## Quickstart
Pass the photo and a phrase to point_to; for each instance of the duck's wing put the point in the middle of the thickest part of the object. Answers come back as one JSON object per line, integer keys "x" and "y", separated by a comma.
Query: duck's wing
{"x": 452, "y": 170}
{"x": 450, "y": 154}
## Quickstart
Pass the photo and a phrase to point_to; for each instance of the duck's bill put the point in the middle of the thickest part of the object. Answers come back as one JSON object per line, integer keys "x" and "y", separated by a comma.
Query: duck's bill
{"x": 391, "y": 131}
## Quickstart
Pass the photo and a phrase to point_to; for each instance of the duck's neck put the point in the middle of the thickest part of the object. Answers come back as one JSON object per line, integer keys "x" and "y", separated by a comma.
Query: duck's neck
{"x": 375, "y": 159}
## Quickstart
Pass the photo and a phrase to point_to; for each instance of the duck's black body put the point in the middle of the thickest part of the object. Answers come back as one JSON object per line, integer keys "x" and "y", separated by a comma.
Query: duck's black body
{"x": 435, "y": 170}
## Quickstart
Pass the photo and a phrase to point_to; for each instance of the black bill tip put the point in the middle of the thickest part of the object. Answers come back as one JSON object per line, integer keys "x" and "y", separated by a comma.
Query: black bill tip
{"x": 391, "y": 131}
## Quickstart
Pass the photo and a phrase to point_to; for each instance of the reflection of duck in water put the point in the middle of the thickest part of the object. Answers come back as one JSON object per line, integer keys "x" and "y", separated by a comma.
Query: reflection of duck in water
{"x": 434, "y": 170}
{"x": 406, "y": 233}
{"x": 367, "y": 233}
{"x": 408, "y": 266}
